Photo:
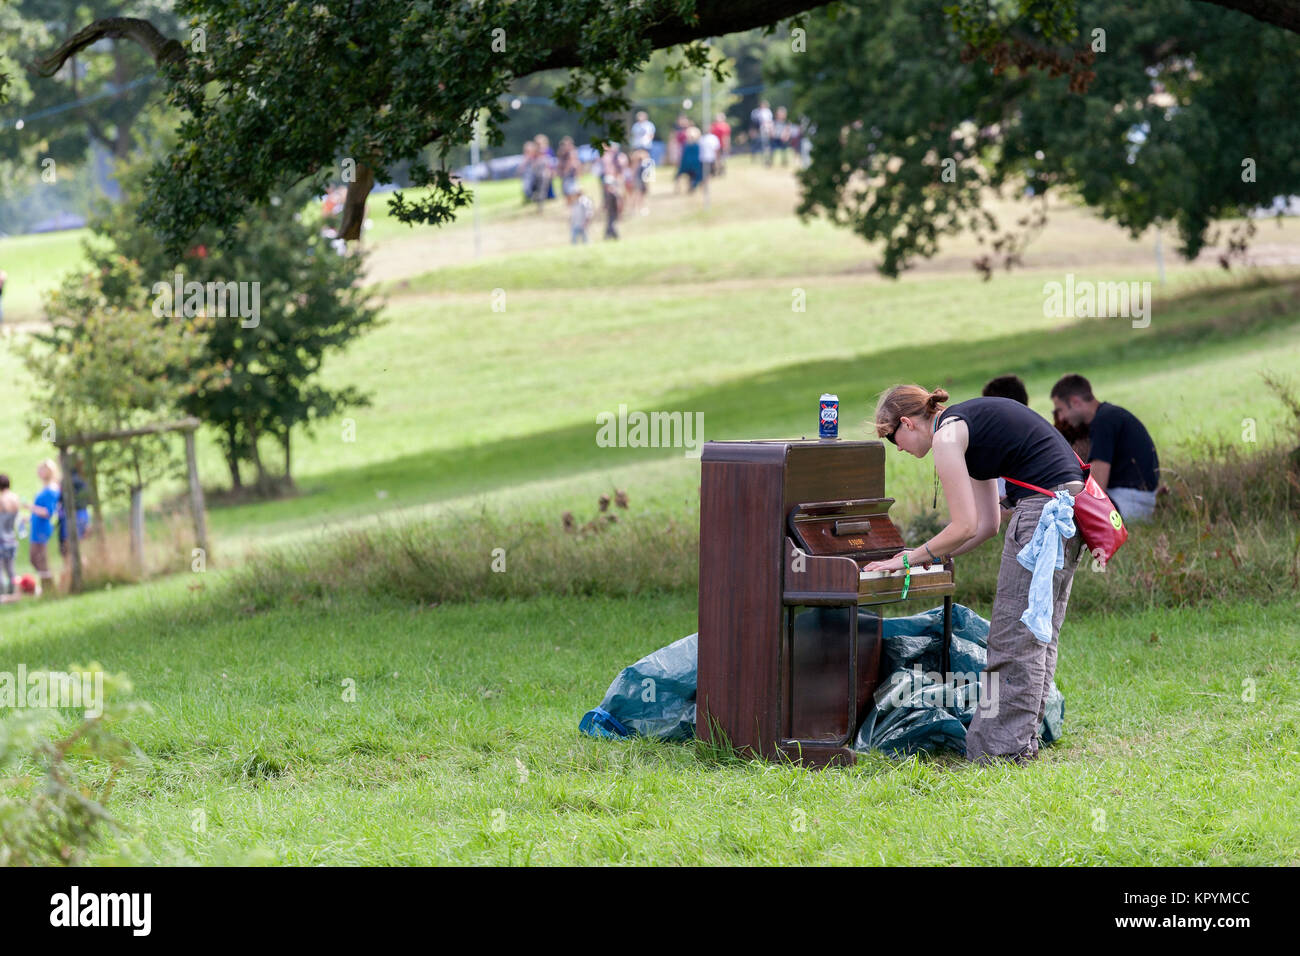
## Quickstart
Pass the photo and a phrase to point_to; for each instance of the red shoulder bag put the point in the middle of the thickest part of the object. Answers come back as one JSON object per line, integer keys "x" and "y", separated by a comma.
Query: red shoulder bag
{"x": 1095, "y": 516}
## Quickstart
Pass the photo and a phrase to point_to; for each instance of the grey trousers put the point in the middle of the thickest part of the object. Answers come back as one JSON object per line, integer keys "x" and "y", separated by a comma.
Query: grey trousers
{"x": 1015, "y": 684}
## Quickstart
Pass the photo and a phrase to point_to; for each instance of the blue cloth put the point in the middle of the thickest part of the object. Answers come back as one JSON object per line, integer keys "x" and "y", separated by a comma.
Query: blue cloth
{"x": 43, "y": 527}
{"x": 1044, "y": 554}
{"x": 83, "y": 523}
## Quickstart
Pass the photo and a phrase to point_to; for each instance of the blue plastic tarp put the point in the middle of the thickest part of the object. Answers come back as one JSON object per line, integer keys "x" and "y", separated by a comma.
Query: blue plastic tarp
{"x": 913, "y": 710}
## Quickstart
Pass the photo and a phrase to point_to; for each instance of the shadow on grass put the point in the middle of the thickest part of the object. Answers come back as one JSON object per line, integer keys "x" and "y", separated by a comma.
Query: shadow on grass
{"x": 1184, "y": 329}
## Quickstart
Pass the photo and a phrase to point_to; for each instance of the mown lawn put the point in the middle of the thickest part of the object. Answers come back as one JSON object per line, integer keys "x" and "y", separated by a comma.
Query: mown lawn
{"x": 462, "y": 743}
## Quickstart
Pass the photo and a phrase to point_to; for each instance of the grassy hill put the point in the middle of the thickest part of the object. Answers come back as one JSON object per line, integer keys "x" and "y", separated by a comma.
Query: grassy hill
{"x": 462, "y": 743}
{"x": 692, "y": 311}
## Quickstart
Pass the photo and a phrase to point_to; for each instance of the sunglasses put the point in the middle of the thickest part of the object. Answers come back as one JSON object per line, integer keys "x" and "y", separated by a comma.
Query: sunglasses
{"x": 890, "y": 437}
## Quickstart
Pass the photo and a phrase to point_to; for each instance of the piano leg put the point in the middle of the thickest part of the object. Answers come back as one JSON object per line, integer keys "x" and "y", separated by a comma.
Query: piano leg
{"x": 853, "y": 674}
{"x": 945, "y": 668}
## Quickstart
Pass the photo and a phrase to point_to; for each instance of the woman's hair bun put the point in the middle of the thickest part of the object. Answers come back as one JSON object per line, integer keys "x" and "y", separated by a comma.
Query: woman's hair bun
{"x": 937, "y": 397}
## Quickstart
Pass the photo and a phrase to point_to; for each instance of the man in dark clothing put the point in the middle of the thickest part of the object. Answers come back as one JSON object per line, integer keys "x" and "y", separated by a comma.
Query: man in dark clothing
{"x": 1123, "y": 457}
{"x": 1007, "y": 386}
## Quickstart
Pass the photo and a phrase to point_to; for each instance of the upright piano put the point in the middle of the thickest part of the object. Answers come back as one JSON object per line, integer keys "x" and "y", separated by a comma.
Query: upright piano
{"x": 788, "y": 657}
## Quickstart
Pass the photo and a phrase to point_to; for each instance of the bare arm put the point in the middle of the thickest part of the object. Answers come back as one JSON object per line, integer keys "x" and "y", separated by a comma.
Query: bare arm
{"x": 988, "y": 510}
{"x": 1100, "y": 471}
{"x": 958, "y": 490}
{"x": 949, "y": 451}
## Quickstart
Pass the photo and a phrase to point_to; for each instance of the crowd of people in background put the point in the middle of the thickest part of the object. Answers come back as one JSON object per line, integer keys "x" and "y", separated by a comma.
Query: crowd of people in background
{"x": 775, "y": 134}
{"x": 44, "y": 522}
{"x": 623, "y": 175}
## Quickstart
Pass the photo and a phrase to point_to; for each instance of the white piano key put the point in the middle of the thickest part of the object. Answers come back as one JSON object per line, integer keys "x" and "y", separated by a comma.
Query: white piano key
{"x": 916, "y": 572}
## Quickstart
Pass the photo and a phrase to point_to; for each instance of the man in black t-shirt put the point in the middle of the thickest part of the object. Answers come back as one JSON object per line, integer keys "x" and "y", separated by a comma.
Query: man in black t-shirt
{"x": 1123, "y": 457}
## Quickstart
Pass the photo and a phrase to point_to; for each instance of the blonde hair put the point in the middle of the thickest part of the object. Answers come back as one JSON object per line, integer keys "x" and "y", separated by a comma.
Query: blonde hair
{"x": 910, "y": 400}
{"x": 56, "y": 475}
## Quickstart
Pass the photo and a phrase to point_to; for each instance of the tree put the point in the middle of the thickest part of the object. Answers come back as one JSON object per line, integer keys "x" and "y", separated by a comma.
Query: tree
{"x": 281, "y": 91}
{"x": 307, "y": 300}
{"x": 106, "y": 366}
{"x": 17, "y": 39}
{"x": 1180, "y": 115}
{"x": 116, "y": 72}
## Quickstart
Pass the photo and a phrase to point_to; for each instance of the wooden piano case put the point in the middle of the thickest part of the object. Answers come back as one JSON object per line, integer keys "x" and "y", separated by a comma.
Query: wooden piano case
{"x": 788, "y": 658}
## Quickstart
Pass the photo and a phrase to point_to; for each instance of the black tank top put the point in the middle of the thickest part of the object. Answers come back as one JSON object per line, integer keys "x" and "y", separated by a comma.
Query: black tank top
{"x": 1012, "y": 440}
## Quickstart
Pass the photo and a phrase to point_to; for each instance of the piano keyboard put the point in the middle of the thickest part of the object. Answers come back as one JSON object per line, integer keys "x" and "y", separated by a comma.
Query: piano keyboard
{"x": 916, "y": 573}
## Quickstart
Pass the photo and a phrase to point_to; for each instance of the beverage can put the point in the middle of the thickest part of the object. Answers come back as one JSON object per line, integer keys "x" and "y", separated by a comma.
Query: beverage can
{"x": 828, "y": 421}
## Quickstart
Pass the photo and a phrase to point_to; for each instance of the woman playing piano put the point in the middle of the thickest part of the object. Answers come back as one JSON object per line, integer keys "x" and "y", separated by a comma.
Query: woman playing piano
{"x": 974, "y": 442}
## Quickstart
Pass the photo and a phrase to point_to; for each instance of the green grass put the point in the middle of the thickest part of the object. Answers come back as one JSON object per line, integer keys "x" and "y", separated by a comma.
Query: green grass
{"x": 462, "y": 743}
{"x": 438, "y": 433}
{"x": 33, "y": 265}
{"x": 692, "y": 311}
{"x": 482, "y": 432}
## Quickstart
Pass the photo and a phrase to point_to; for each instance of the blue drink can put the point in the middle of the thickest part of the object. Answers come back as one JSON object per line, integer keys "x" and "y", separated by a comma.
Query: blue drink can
{"x": 828, "y": 421}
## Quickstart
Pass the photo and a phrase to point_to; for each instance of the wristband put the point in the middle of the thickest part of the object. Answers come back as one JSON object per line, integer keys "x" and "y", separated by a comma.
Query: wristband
{"x": 933, "y": 559}
{"x": 907, "y": 577}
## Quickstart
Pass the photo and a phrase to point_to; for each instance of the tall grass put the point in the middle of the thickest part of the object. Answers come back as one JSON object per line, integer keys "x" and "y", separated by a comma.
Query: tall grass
{"x": 1227, "y": 530}
{"x": 106, "y": 558}
{"x": 483, "y": 556}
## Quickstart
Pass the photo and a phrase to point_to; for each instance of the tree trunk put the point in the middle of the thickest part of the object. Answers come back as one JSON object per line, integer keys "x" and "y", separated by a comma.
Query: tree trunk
{"x": 92, "y": 484}
{"x": 68, "y": 495}
{"x": 232, "y": 460}
{"x": 286, "y": 440}
{"x": 196, "y": 494}
{"x": 137, "y": 529}
{"x": 97, "y": 524}
{"x": 354, "y": 205}
{"x": 256, "y": 455}
{"x": 122, "y": 140}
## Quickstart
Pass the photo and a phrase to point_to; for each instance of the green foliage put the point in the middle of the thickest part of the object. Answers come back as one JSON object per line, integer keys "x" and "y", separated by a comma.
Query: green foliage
{"x": 379, "y": 90}
{"x": 983, "y": 23}
{"x": 115, "y": 80}
{"x": 113, "y": 64}
{"x": 107, "y": 364}
{"x": 914, "y": 131}
{"x": 55, "y": 781}
{"x": 16, "y": 37}
{"x": 310, "y": 304}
